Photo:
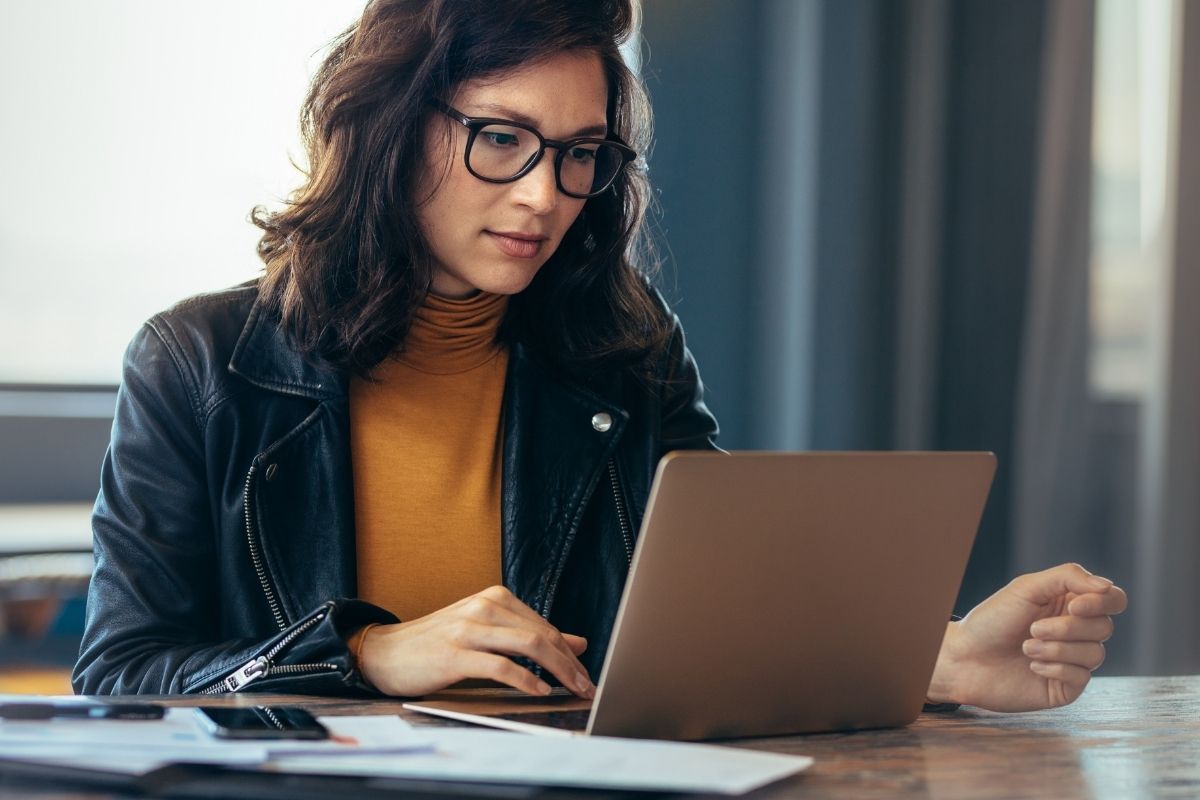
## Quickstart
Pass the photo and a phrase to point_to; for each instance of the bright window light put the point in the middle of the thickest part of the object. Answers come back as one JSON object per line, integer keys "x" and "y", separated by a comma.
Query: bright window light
{"x": 137, "y": 136}
{"x": 1129, "y": 179}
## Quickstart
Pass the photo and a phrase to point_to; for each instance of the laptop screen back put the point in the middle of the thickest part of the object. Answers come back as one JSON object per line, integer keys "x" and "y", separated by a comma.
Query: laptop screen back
{"x": 776, "y": 593}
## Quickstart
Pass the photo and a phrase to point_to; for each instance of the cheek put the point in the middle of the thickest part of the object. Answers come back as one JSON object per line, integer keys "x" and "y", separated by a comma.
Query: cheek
{"x": 446, "y": 208}
{"x": 462, "y": 208}
{"x": 438, "y": 184}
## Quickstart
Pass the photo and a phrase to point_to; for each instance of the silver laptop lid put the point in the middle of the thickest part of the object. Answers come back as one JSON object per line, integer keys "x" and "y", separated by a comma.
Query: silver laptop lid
{"x": 776, "y": 593}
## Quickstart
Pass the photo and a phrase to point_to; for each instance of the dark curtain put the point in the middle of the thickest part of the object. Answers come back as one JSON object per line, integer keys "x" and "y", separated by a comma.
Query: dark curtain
{"x": 712, "y": 67}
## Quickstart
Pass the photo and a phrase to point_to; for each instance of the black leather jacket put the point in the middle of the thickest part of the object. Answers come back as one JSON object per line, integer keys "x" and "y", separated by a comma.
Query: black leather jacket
{"x": 224, "y": 528}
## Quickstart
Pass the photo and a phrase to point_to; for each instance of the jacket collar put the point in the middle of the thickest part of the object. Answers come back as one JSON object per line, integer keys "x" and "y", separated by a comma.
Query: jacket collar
{"x": 267, "y": 358}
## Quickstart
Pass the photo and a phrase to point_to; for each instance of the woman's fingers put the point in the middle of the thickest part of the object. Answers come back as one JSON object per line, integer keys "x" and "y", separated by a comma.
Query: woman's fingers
{"x": 498, "y": 607}
{"x": 476, "y": 664}
{"x": 505, "y": 599}
{"x": 1072, "y": 629}
{"x": 1114, "y": 601}
{"x": 503, "y": 617}
{"x": 532, "y": 644}
{"x": 1088, "y": 655}
{"x": 1048, "y": 585}
{"x": 1072, "y": 680}
{"x": 472, "y": 639}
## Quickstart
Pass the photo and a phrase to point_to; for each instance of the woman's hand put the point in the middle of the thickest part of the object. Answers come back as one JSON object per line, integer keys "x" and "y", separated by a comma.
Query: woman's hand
{"x": 1031, "y": 645}
{"x": 472, "y": 639}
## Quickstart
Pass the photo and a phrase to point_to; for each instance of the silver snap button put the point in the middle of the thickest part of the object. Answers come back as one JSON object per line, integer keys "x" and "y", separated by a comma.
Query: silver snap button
{"x": 602, "y": 422}
{"x": 271, "y": 470}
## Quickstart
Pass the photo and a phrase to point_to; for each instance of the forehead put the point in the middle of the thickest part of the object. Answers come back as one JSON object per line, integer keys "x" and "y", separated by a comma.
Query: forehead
{"x": 560, "y": 94}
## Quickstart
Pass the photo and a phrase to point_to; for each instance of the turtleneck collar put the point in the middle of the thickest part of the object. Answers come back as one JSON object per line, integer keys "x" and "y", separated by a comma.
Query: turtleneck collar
{"x": 450, "y": 336}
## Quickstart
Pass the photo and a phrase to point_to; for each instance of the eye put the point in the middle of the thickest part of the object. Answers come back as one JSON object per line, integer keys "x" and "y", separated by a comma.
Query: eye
{"x": 499, "y": 138}
{"x": 582, "y": 154}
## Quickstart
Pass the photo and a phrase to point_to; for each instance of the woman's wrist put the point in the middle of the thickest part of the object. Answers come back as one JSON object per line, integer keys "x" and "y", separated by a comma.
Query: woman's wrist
{"x": 356, "y": 642}
{"x": 943, "y": 685}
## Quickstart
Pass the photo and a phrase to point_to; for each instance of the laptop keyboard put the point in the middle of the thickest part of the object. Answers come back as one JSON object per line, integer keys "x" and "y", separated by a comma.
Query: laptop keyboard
{"x": 566, "y": 720}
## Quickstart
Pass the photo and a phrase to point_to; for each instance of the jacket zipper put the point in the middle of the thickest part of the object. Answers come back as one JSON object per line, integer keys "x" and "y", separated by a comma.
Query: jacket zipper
{"x": 622, "y": 513}
{"x": 262, "y": 666}
{"x": 626, "y": 534}
{"x": 256, "y": 553}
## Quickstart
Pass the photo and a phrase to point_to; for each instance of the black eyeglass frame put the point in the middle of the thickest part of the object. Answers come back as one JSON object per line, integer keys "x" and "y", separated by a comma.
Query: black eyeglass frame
{"x": 475, "y": 124}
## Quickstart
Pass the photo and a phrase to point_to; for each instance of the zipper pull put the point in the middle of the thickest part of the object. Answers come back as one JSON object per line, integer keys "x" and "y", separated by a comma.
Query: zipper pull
{"x": 247, "y": 673}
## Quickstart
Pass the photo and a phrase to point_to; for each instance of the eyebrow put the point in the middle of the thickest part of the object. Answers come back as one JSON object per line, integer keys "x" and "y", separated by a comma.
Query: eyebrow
{"x": 600, "y": 129}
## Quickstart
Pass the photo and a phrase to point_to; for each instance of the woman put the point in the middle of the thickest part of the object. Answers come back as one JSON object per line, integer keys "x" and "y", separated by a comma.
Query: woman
{"x": 444, "y": 399}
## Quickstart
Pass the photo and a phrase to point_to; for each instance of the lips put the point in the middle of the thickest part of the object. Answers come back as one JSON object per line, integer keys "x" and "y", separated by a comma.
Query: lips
{"x": 517, "y": 244}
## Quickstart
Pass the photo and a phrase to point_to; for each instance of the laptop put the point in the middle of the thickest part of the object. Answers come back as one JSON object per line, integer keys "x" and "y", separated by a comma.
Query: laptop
{"x": 770, "y": 594}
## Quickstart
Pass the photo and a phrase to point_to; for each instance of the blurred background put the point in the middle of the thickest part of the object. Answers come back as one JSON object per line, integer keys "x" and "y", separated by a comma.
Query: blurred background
{"x": 886, "y": 224}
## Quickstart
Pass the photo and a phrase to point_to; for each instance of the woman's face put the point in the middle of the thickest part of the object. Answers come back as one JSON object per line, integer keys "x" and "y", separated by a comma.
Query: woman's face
{"x": 494, "y": 237}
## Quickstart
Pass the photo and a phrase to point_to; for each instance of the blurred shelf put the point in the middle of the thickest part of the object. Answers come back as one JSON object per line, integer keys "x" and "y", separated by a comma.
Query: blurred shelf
{"x": 27, "y": 528}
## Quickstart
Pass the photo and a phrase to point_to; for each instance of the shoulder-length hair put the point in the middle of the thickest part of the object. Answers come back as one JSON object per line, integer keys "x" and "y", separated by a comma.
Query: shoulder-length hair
{"x": 346, "y": 263}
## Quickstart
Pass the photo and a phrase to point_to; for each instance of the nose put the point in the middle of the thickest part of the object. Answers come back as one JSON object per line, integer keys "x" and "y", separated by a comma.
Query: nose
{"x": 537, "y": 189}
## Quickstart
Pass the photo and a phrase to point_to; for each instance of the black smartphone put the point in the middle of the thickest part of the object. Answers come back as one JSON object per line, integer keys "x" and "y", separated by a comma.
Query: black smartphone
{"x": 261, "y": 722}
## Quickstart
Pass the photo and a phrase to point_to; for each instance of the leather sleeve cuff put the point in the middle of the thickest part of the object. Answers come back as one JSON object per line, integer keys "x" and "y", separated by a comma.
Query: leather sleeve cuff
{"x": 940, "y": 708}
{"x": 312, "y": 656}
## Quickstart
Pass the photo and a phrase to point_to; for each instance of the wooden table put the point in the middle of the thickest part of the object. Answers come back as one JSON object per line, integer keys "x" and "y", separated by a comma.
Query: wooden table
{"x": 1126, "y": 738}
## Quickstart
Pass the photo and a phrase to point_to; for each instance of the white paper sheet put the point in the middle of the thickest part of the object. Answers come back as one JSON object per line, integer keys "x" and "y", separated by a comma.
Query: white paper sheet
{"x": 130, "y": 745}
{"x": 122, "y": 761}
{"x": 582, "y": 761}
{"x": 357, "y": 735}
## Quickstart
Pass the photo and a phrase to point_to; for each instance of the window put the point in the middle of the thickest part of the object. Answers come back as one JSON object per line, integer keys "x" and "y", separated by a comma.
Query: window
{"x": 1133, "y": 43}
{"x": 137, "y": 136}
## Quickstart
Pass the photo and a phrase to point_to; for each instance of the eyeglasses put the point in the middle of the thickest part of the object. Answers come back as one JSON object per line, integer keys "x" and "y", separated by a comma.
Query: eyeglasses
{"x": 502, "y": 151}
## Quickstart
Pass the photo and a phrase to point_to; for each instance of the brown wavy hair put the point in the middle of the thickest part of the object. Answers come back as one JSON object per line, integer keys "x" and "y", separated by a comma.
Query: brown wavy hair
{"x": 346, "y": 263}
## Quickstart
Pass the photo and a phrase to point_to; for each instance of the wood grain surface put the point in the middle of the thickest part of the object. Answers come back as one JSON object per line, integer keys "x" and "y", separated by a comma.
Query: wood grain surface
{"x": 1125, "y": 738}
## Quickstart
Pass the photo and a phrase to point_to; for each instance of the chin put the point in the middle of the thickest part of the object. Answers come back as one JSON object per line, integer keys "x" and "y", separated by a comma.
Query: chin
{"x": 492, "y": 275}
{"x": 506, "y": 281}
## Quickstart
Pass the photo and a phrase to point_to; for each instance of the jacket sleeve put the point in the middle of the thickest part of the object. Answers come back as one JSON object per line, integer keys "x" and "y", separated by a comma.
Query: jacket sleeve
{"x": 686, "y": 424}
{"x": 153, "y": 607}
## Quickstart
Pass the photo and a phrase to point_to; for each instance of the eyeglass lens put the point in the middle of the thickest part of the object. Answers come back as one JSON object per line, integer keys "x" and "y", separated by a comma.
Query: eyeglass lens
{"x": 500, "y": 152}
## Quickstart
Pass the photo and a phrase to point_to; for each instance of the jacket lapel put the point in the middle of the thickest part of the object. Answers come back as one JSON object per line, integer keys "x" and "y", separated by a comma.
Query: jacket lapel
{"x": 305, "y": 510}
{"x": 302, "y": 492}
{"x": 555, "y": 451}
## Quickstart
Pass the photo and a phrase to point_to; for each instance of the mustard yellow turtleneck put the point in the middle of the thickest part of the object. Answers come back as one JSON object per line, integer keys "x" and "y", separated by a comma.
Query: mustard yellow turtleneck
{"x": 425, "y": 440}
